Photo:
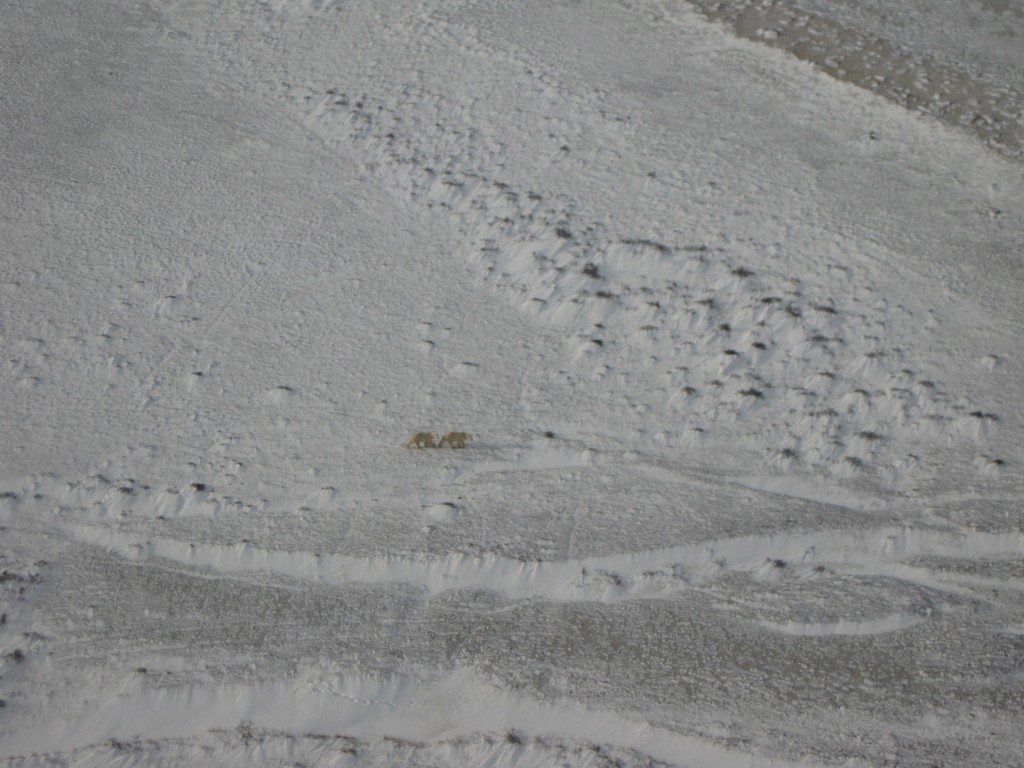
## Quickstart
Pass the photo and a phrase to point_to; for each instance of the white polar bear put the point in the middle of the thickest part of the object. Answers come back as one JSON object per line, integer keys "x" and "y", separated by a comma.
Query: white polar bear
{"x": 421, "y": 439}
{"x": 455, "y": 439}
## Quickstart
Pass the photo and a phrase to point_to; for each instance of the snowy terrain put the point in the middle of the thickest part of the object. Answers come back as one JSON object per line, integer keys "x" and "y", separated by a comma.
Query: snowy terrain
{"x": 729, "y": 296}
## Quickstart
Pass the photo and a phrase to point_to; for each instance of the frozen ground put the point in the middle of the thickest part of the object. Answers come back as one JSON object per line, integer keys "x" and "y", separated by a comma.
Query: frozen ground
{"x": 736, "y": 337}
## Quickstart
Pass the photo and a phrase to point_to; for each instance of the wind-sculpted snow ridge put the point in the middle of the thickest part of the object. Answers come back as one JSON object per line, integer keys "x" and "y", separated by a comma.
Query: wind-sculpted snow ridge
{"x": 839, "y": 581}
{"x": 827, "y": 582}
{"x": 250, "y": 746}
{"x": 353, "y": 719}
{"x": 821, "y": 362}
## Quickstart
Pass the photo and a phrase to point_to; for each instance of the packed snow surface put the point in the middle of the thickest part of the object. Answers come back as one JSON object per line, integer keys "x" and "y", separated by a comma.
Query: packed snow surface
{"x": 728, "y": 295}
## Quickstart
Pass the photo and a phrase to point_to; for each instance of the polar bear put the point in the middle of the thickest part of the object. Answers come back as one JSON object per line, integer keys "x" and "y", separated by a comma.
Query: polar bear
{"x": 455, "y": 439}
{"x": 421, "y": 439}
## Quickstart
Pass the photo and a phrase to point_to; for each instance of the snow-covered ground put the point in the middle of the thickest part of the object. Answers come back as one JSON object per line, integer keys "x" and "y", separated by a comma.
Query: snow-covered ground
{"x": 728, "y": 295}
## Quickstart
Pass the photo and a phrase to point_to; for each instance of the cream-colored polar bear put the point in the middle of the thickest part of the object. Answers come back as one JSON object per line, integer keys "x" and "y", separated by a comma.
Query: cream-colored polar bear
{"x": 455, "y": 439}
{"x": 421, "y": 439}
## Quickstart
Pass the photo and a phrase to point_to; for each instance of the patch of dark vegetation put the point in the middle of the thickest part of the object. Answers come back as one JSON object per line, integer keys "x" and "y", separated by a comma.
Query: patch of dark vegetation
{"x": 927, "y": 383}
{"x": 688, "y": 391}
{"x": 788, "y": 453}
{"x": 725, "y": 327}
{"x": 742, "y": 272}
{"x": 708, "y": 302}
{"x": 563, "y": 233}
{"x": 604, "y": 294}
{"x": 598, "y": 342}
{"x": 514, "y": 737}
{"x": 731, "y": 353}
{"x": 198, "y": 487}
{"x": 659, "y": 247}
{"x": 827, "y": 309}
{"x": 770, "y": 300}
{"x": 829, "y": 412}
{"x": 590, "y": 270}
{"x": 759, "y": 345}
{"x": 778, "y": 562}
{"x": 854, "y": 461}
{"x": 17, "y": 655}
{"x": 794, "y": 311}
{"x": 244, "y": 731}
{"x": 868, "y": 435}
{"x": 8, "y": 495}
{"x": 751, "y": 392}
{"x": 549, "y": 434}
{"x": 985, "y": 416}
